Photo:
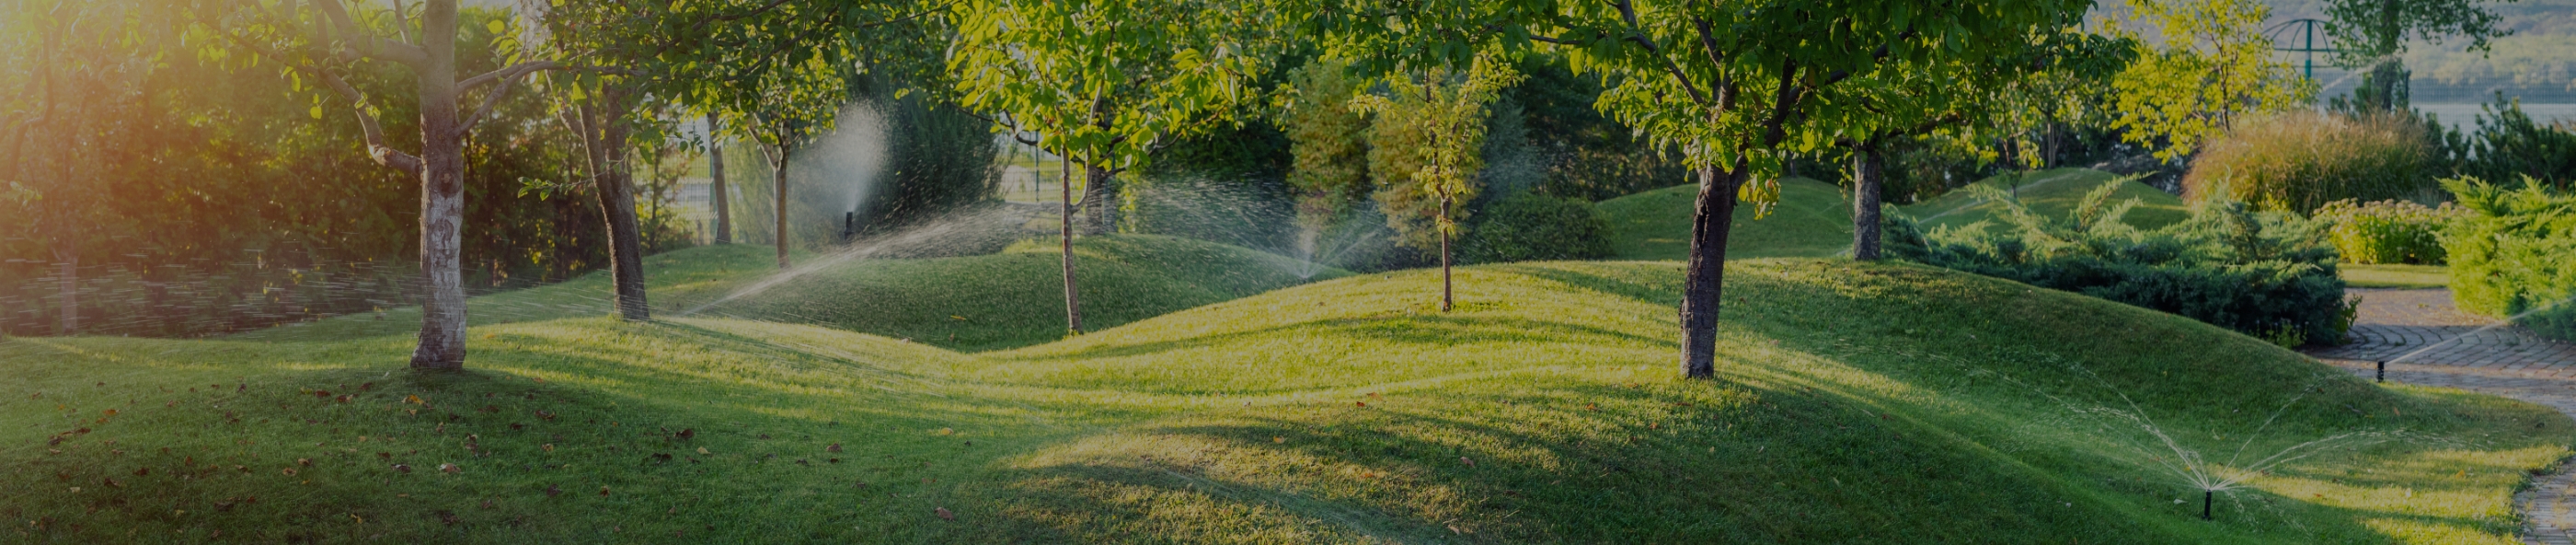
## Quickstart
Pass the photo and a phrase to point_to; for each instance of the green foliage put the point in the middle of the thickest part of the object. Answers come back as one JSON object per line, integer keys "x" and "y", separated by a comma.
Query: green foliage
{"x": 2516, "y": 254}
{"x": 1329, "y": 140}
{"x": 2375, "y": 33}
{"x": 2264, "y": 274}
{"x": 1587, "y": 154}
{"x": 1529, "y": 226}
{"x": 1103, "y": 81}
{"x": 2508, "y": 144}
{"x": 2300, "y": 161}
{"x": 2389, "y": 232}
{"x": 2213, "y": 67}
{"x": 940, "y": 160}
{"x": 1426, "y": 145}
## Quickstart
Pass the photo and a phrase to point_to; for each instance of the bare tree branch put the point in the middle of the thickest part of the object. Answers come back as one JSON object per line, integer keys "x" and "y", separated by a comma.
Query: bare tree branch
{"x": 1628, "y": 14}
{"x": 507, "y": 72}
{"x": 370, "y": 45}
{"x": 489, "y": 100}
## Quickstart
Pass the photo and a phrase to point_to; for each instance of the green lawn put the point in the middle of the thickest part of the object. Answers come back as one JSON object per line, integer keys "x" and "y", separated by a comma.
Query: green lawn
{"x": 2396, "y": 276}
{"x": 1813, "y": 219}
{"x": 2051, "y": 192}
{"x": 1011, "y": 299}
{"x": 1855, "y": 403}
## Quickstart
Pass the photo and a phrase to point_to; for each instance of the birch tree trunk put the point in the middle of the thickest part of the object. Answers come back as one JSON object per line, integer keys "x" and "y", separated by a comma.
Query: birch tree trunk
{"x": 442, "y": 194}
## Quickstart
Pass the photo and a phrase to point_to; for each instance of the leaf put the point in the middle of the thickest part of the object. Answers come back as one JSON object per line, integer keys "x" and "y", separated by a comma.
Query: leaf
{"x": 495, "y": 26}
{"x": 943, "y": 513}
{"x": 316, "y": 112}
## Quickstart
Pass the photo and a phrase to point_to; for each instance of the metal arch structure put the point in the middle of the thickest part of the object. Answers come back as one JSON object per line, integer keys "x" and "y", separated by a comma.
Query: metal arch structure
{"x": 2307, "y": 29}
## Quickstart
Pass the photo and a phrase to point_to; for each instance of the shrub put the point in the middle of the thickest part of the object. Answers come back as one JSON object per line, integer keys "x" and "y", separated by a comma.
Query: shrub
{"x": 1531, "y": 227}
{"x": 2510, "y": 144}
{"x": 2515, "y": 255}
{"x": 2389, "y": 231}
{"x": 2297, "y": 162}
{"x": 2265, "y": 274}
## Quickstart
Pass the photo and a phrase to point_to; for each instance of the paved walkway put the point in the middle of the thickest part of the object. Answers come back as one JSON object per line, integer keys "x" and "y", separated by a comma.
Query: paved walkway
{"x": 2411, "y": 326}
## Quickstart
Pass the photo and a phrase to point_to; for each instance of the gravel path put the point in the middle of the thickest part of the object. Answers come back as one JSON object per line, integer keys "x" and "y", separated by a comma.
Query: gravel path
{"x": 2504, "y": 361}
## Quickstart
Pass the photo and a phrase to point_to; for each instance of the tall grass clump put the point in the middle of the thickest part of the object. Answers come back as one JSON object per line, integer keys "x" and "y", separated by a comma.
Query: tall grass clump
{"x": 2388, "y": 232}
{"x": 2266, "y": 274}
{"x": 2516, "y": 253}
{"x": 2298, "y": 162}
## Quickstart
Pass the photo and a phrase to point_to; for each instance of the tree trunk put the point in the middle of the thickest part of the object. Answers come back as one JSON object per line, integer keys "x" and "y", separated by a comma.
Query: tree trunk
{"x": 604, "y": 131}
{"x": 1868, "y": 172}
{"x": 778, "y": 173}
{"x": 716, "y": 187}
{"x": 442, "y": 195}
{"x": 1704, "y": 287}
{"x": 1446, "y": 296}
{"x": 1072, "y": 300}
{"x": 69, "y": 282}
{"x": 1096, "y": 193}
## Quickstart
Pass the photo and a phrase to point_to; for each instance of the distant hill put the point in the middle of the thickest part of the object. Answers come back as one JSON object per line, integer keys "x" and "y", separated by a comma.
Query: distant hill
{"x": 2537, "y": 63}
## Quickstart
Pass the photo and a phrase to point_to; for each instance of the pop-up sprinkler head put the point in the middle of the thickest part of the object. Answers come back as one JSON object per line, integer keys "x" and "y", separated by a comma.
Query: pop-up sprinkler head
{"x": 849, "y": 225}
{"x": 2383, "y": 371}
{"x": 2205, "y": 497}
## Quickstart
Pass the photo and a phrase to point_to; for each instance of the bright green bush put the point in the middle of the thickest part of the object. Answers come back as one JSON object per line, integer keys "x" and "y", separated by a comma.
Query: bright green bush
{"x": 2266, "y": 274}
{"x": 2298, "y": 162}
{"x": 2390, "y": 231}
{"x": 1532, "y": 227}
{"x": 2516, "y": 254}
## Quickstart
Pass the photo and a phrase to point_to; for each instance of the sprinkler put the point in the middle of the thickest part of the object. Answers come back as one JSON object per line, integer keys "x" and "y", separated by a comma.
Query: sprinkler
{"x": 2205, "y": 496}
{"x": 2383, "y": 371}
{"x": 849, "y": 226}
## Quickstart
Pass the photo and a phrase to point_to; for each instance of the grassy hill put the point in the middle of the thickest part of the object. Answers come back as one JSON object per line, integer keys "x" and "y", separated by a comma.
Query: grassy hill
{"x": 1813, "y": 219}
{"x": 1854, "y": 402}
{"x": 2052, "y": 192}
{"x": 1014, "y": 298}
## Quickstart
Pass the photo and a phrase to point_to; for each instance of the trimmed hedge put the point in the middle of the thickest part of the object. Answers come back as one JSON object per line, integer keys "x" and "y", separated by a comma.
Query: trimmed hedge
{"x": 2516, "y": 254}
{"x": 2390, "y": 231}
{"x": 2266, "y": 274}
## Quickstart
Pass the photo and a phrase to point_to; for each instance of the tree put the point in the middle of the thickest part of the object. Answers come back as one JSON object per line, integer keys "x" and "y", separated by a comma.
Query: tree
{"x": 1102, "y": 82}
{"x": 1733, "y": 85}
{"x": 2004, "y": 95}
{"x": 1427, "y": 147}
{"x": 322, "y": 44}
{"x": 66, "y": 130}
{"x": 1328, "y": 140}
{"x": 2374, "y": 33}
{"x": 779, "y": 82}
{"x": 2213, "y": 66}
{"x": 716, "y": 192}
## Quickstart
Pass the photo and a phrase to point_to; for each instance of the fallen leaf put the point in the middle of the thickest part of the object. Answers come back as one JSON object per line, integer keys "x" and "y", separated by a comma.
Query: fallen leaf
{"x": 1470, "y": 463}
{"x": 405, "y": 468}
{"x": 552, "y": 490}
{"x": 836, "y": 447}
{"x": 450, "y": 468}
{"x": 550, "y": 447}
{"x": 603, "y": 491}
{"x": 702, "y": 451}
{"x": 290, "y": 472}
{"x": 943, "y": 513}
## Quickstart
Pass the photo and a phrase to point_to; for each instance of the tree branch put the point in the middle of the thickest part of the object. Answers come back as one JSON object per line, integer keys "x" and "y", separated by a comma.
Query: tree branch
{"x": 372, "y": 46}
{"x": 376, "y": 148}
{"x": 489, "y": 100}
{"x": 1628, "y": 14}
{"x": 508, "y": 72}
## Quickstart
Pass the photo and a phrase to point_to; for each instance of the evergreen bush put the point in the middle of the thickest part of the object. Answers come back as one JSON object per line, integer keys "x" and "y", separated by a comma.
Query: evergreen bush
{"x": 2515, "y": 254}
{"x": 2390, "y": 231}
{"x": 2266, "y": 274}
